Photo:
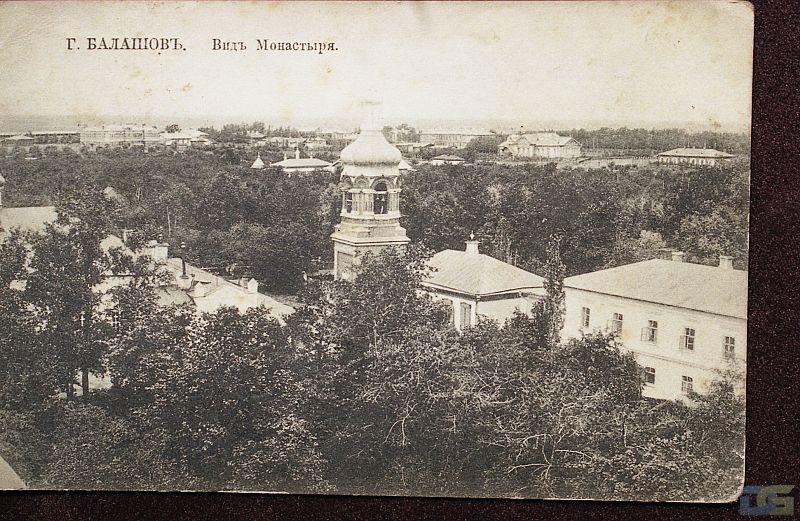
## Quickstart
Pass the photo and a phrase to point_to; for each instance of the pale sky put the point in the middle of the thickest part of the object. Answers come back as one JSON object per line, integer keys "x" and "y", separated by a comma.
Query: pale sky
{"x": 642, "y": 63}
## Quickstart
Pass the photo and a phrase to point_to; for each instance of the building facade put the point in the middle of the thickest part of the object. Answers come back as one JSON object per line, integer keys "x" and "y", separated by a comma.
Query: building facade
{"x": 120, "y": 135}
{"x": 476, "y": 286}
{"x": 543, "y": 145}
{"x": 685, "y": 323}
{"x": 451, "y": 139}
{"x": 370, "y": 187}
{"x": 693, "y": 156}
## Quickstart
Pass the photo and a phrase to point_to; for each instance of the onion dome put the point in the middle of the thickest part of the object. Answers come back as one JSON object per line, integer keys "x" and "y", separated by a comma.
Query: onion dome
{"x": 371, "y": 147}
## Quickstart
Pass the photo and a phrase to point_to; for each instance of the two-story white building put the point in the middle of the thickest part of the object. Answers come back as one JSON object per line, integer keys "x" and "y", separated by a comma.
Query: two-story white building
{"x": 684, "y": 322}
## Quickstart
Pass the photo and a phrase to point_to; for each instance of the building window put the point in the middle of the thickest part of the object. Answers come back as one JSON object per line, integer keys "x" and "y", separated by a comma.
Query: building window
{"x": 686, "y": 384}
{"x": 450, "y": 310}
{"x": 616, "y": 324}
{"x": 585, "y": 316}
{"x": 348, "y": 202}
{"x": 650, "y": 333}
{"x": 729, "y": 347}
{"x": 687, "y": 339}
{"x": 649, "y": 376}
{"x": 379, "y": 205}
{"x": 466, "y": 315}
{"x": 115, "y": 319}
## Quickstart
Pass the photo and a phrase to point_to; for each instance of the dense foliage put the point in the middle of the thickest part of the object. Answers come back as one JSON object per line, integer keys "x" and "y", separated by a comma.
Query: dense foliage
{"x": 366, "y": 389}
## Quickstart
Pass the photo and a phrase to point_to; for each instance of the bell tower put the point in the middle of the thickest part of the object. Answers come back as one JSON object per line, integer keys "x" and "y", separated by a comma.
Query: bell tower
{"x": 370, "y": 186}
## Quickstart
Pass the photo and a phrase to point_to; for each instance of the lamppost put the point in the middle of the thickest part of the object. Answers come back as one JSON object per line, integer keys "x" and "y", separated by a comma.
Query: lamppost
{"x": 183, "y": 259}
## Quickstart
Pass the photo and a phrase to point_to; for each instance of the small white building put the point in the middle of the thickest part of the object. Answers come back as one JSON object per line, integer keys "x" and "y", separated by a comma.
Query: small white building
{"x": 301, "y": 165}
{"x": 684, "y": 322}
{"x": 545, "y": 145}
{"x": 448, "y": 160}
{"x": 693, "y": 156}
{"x": 476, "y": 286}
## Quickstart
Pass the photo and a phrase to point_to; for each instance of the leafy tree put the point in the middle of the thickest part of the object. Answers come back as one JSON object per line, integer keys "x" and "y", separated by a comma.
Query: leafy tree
{"x": 68, "y": 266}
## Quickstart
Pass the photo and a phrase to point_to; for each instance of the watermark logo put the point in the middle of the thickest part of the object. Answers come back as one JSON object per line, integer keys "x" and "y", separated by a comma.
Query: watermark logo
{"x": 771, "y": 500}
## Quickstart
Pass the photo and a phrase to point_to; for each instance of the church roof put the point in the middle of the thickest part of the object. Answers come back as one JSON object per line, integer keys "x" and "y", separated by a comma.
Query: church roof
{"x": 695, "y": 152}
{"x": 26, "y": 218}
{"x": 680, "y": 284}
{"x": 478, "y": 274}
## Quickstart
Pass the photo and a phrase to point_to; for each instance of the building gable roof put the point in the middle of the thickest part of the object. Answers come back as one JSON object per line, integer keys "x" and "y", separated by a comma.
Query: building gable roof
{"x": 680, "y": 284}
{"x": 478, "y": 274}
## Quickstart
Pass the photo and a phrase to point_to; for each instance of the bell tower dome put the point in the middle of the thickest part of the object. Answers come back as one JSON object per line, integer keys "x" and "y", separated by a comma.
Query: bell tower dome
{"x": 370, "y": 186}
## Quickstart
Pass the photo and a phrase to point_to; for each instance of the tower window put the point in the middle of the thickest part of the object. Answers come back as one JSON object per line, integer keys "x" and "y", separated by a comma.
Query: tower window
{"x": 348, "y": 202}
{"x": 379, "y": 203}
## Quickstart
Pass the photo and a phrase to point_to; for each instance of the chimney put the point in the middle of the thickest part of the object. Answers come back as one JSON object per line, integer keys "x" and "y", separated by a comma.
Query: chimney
{"x": 726, "y": 262}
{"x": 252, "y": 286}
{"x": 677, "y": 256}
{"x": 471, "y": 245}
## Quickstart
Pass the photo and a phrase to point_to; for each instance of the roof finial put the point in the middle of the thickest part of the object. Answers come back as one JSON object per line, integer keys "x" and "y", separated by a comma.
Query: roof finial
{"x": 472, "y": 235}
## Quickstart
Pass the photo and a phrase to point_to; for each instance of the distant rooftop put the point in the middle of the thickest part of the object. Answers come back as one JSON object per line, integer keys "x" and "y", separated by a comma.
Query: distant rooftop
{"x": 696, "y": 152}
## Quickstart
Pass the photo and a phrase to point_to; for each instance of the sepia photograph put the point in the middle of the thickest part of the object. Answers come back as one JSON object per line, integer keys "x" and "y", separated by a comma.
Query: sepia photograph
{"x": 440, "y": 249}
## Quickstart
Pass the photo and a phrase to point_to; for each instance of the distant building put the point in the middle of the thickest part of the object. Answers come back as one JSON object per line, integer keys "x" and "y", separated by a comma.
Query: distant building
{"x": 411, "y": 147}
{"x": 185, "y": 139}
{"x": 476, "y": 286}
{"x": 317, "y": 143}
{"x": 451, "y": 139}
{"x": 20, "y": 140}
{"x": 448, "y": 160}
{"x": 47, "y": 137}
{"x": 305, "y": 164}
{"x": 120, "y": 135}
{"x": 545, "y": 145}
{"x": 682, "y": 321}
{"x": 285, "y": 142}
{"x": 693, "y": 156}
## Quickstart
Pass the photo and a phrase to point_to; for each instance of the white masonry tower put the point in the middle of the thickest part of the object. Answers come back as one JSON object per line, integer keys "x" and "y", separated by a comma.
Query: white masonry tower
{"x": 370, "y": 185}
